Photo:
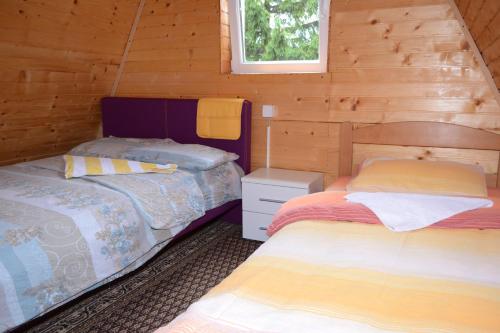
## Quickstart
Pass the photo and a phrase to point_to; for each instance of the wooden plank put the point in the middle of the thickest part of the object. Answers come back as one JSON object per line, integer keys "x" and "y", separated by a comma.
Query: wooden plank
{"x": 127, "y": 48}
{"x": 346, "y": 149}
{"x": 427, "y": 134}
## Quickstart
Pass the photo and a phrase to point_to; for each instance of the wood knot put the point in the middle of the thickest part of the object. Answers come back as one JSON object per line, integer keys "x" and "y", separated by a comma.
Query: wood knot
{"x": 374, "y": 21}
{"x": 355, "y": 103}
{"x": 464, "y": 45}
{"x": 299, "y": 99}
{"x": 406, "y": 60}
{"x": 23, "y": 76}
{"x": 387, "y": 31}
{"x": 397, "y": 46}
{"x": 418, "y": 26}
{"x": 286, "y": 132}
{"x": 312, "y": 133}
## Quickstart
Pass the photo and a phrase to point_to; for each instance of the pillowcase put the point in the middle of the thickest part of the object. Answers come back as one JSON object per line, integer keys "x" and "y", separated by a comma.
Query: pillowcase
{"x": 112, "y": 147}
{"x": 160, "y": 151}
{"x": 418, "y": 176}
{"x": 78, "y": 166}
{"x": 186, "y": 156}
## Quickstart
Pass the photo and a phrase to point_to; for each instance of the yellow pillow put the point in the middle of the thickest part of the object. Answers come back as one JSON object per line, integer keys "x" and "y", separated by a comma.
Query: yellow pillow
{"x": 424, "y": 177}
{"x": 78, "y": 166}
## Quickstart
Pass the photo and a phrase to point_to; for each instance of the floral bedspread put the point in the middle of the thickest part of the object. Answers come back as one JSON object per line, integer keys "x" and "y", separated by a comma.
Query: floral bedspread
{"x": 60, "y": 238}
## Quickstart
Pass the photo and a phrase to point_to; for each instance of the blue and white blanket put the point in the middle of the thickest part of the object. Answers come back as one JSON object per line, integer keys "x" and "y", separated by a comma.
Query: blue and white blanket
{"x": 60, "y": 238}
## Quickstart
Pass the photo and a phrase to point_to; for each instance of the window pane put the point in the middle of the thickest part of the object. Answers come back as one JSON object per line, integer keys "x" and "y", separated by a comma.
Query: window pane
{"x": 277, "y": 30}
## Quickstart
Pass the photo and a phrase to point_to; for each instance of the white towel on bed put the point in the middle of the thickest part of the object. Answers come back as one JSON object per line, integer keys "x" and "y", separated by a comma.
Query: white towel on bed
{"x": 406, "y": 211}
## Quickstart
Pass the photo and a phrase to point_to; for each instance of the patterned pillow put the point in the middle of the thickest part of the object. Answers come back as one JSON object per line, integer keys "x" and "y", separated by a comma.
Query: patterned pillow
{"x": 186, "y": 156}
{"x": 161, "y": 151}
{"x": 112, "y": 147}
{"x": 78, "y": 166}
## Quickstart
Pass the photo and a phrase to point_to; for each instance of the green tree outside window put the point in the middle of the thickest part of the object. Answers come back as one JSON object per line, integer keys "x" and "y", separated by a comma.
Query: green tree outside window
{"x": 278, "y": 30}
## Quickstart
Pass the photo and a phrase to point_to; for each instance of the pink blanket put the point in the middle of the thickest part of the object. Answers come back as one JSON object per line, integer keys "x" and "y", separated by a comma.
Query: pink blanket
{"x": 332, "y": 206}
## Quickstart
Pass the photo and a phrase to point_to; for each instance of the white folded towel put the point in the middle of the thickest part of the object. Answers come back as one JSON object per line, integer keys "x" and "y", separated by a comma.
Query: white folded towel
{"x": 406, "y": 211}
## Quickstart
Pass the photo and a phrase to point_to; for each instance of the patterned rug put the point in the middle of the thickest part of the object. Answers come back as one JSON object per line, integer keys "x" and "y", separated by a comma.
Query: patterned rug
{"x": 160, "y": 290}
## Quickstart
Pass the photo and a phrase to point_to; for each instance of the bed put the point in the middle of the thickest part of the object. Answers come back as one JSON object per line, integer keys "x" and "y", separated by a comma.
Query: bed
{"x": 61, "y": 238}
{"x": 328, "y": 268}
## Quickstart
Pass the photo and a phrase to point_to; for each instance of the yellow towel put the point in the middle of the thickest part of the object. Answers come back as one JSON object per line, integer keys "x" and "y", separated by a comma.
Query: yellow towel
{"x": 219, "y": 118}
{"x": 78, "y": 166}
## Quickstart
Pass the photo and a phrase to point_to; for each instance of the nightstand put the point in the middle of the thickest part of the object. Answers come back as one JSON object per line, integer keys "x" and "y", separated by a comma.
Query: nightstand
{"x": 265, "y": 190}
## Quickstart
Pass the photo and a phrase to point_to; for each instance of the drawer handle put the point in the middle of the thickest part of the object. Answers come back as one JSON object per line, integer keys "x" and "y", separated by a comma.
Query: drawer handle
{"x": 262, "y": 228}
{"x": 272, "y": 200}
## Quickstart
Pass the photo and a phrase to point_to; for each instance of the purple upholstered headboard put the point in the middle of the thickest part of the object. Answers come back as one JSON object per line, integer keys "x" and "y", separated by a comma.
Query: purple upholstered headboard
{"x": 169, "y": 118}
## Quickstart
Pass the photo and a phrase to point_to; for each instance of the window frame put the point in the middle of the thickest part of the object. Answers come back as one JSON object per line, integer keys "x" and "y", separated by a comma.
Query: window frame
{"x": 239, "y": 66}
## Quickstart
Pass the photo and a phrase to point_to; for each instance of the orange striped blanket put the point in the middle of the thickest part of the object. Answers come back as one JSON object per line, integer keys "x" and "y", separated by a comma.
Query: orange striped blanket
{"x": 331, "y": 206}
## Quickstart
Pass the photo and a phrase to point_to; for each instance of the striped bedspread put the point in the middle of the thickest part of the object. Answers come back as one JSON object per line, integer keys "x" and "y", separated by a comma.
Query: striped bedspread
{"x": 326, "y": 276}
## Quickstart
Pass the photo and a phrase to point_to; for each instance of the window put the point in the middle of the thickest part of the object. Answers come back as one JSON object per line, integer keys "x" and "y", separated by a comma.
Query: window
{"x": 279, "y": 36}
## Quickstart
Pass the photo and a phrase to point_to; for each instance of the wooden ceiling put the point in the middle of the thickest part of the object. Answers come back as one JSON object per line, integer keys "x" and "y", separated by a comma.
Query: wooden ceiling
{"x": 483, "y": 20}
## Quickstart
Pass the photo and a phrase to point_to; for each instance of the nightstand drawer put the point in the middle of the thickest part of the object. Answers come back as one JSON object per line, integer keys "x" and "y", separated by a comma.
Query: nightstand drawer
{"x": 255, "y": 225}
{"x": 267, "y": 199}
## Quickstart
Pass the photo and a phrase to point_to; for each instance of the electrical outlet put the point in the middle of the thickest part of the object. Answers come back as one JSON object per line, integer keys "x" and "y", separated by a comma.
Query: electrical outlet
{"x": 268, "y": 111}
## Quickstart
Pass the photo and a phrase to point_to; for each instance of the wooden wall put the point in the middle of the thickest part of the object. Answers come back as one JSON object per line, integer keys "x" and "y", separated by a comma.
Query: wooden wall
{"x": 389, "y": 60}
{"x": 57, "y": 59}
{"x": 483, "y": 19}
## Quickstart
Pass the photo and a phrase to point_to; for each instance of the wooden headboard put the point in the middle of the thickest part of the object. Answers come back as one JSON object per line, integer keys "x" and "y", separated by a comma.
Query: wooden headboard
{"x": 416, "y": 134}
